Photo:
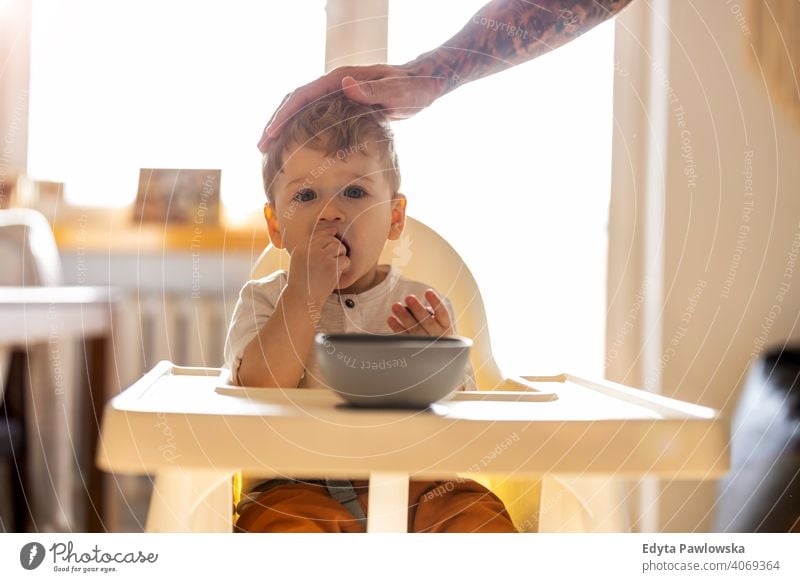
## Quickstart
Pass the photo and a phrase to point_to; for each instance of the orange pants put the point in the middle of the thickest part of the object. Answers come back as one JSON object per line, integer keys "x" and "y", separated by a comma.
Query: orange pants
{"x": 460, "y": 506}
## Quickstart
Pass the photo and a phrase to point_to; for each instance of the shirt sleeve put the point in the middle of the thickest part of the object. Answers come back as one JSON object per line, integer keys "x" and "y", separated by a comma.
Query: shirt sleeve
{"x": 255, "y": 306}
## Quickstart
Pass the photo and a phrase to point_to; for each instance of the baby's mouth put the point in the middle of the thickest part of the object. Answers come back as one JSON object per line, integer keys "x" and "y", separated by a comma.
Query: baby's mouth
{"x": 344, "y": 242}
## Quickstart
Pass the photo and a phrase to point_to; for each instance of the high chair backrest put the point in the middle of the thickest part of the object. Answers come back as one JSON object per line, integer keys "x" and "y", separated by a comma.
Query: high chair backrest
{"x": 422, "y": 255}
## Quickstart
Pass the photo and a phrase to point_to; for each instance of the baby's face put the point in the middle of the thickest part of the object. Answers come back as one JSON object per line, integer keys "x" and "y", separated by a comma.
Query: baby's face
{"x": 347, "y": 189}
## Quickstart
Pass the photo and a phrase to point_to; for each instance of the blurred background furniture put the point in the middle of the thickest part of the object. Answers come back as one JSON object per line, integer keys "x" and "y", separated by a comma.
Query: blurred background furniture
{"x": 176, "y": 290}
{"x": 53, "y": 402}
{"x": 12, "y": 447}
{"x": 29, "y": 257}
{"x": 762, "y": 490}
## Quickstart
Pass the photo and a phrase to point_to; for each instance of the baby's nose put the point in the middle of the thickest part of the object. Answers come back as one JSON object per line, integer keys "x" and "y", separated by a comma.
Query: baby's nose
{"x": 331, "y": 212}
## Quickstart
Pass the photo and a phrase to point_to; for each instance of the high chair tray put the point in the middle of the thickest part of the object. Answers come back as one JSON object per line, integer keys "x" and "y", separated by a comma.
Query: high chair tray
{"x": 269, "y": 395}
{"x": 188, "y": 418}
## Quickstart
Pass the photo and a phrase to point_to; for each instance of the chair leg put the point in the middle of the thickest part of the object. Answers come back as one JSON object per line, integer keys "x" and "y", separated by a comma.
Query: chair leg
{"x": 191, "y": 501}
{"x": 14, "y": 404}
{"x": 19, "y": 503}
{"x": 388, "y": 502}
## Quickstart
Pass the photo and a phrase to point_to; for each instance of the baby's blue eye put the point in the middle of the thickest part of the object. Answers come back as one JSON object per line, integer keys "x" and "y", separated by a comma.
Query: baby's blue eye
{"x": 354, "y": 192}
{"x": 305, "y": 195}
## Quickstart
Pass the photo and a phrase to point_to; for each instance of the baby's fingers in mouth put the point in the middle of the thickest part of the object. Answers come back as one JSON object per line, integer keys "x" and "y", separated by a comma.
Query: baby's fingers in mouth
{"x": 344, "y": 242}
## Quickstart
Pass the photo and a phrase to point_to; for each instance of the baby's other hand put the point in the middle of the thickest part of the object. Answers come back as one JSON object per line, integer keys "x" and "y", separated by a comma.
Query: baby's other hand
{"x": 414, "y": 318}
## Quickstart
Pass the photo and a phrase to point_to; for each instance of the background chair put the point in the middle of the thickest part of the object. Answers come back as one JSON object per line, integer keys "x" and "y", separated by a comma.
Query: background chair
{"x": 32, "y": 437}
{"x": 761, "y": 491}
{"x": 28, "y": 250}
{"x": 13, "y": 446}
{"x": 29, "y": 256}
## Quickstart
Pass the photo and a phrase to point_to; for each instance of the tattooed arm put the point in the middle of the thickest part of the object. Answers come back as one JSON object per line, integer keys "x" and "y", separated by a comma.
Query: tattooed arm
{"x": 502, "y": 34}
{"x": 505, "y": 33}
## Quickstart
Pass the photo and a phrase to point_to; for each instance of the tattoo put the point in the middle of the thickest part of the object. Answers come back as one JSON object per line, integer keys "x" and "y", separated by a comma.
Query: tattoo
{"x": 505, "y": 33}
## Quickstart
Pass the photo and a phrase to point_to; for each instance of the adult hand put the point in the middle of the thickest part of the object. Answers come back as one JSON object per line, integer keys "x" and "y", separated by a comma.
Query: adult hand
{"x": 417, "y": 319}
{"x": 400, "y": 90}
{"x": 502, "y": 34}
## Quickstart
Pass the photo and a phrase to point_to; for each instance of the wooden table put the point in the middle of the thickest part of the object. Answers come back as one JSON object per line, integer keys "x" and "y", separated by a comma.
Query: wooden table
{"x": 41, "y": 316}
{"x": 193, "y": 431}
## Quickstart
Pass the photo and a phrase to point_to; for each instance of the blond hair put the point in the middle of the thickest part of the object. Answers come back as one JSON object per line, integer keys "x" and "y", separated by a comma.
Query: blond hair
{"x": 339, "y": 127}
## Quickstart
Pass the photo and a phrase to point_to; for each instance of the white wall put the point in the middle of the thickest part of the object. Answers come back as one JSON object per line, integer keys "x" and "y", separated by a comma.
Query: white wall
{"x": 725, "y": 251}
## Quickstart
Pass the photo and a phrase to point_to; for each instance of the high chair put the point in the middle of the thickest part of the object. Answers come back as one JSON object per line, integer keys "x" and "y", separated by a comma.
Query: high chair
{"x": 590, "y": 432}
{"x": 422, "y": 255}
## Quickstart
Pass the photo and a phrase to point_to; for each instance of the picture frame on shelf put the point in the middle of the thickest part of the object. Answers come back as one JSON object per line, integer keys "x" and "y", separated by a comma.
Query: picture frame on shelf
{"x": 178, "y": 196}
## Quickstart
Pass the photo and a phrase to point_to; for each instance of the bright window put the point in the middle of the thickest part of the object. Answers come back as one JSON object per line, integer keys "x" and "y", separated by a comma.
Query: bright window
{"x": 515, "y": 171}
{"x": 116, "y": 86}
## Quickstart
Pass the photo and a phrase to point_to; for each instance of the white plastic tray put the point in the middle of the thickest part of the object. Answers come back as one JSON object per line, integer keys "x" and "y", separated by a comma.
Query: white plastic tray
{"x": 187, "y": 418}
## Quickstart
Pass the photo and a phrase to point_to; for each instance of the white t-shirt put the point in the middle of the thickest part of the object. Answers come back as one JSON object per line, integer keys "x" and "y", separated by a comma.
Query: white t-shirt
{"x": 365, "y": 312}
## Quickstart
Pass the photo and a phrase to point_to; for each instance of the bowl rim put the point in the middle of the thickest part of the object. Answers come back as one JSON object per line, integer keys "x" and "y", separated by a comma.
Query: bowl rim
{"x": 374, "y": 339}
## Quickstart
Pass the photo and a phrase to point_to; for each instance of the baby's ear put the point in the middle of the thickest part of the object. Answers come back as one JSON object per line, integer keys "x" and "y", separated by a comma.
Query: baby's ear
{"x": 398, "y": 216}
{"x": 273, "y": 226}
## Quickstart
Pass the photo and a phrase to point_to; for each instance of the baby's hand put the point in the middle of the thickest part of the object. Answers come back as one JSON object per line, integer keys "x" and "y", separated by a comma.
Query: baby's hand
{"x": 414, "y": 318}
{"x": 315, "y": 266}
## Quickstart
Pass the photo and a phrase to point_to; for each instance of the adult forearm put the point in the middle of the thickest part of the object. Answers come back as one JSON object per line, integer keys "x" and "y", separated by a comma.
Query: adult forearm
{"x": 505, "y": 33}
{"x": 276, "y": 356}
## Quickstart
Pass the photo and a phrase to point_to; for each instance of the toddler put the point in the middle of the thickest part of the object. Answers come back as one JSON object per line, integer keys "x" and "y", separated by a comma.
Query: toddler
{"x": 333, "y": 200}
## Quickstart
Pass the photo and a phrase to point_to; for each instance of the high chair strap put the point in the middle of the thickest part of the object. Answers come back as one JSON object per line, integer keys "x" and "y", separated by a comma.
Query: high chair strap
{"x": 342, "y": 491}
{"x": 249, "y": 497}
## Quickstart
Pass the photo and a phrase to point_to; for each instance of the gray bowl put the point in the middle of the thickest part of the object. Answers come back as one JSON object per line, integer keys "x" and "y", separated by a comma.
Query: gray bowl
{"x": 392, "y": 371}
